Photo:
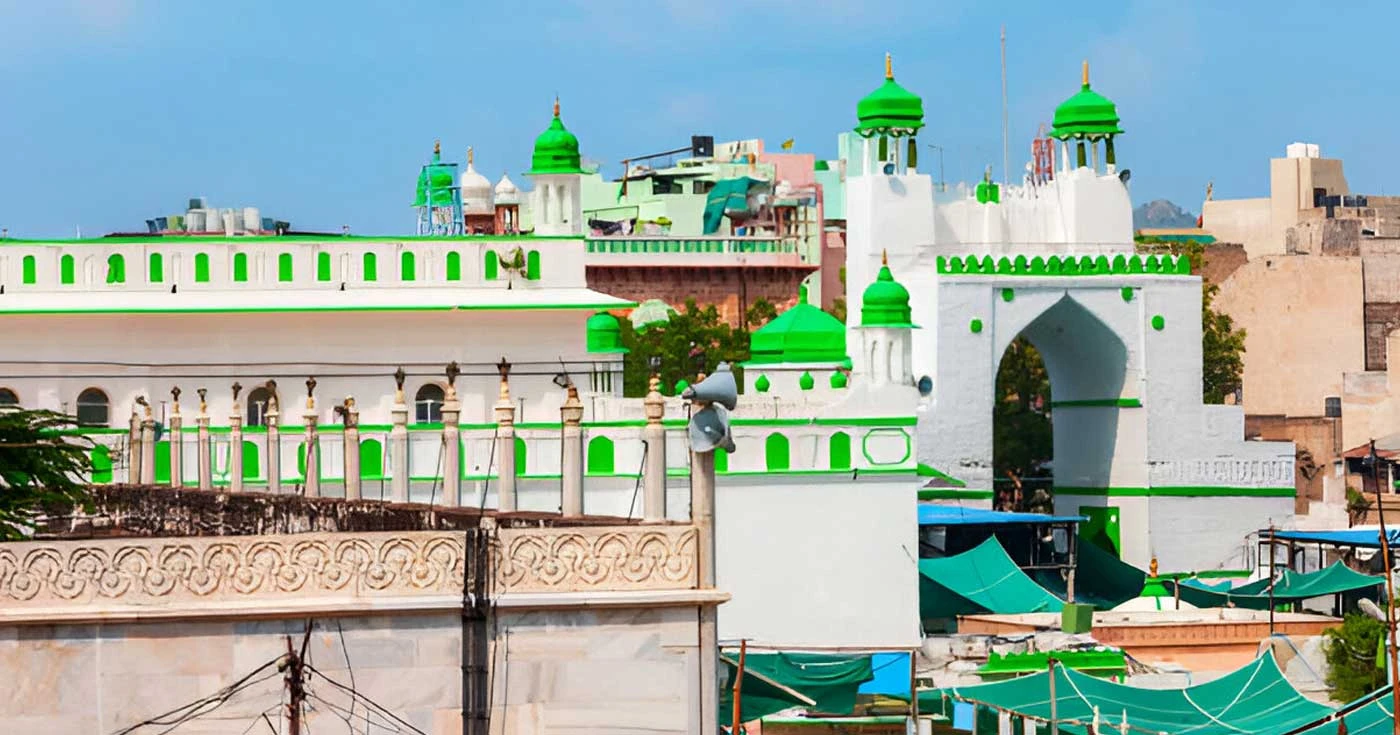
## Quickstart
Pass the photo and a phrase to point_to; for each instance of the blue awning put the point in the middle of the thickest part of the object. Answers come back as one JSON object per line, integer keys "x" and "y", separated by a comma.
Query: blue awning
{"x": 932, "y": 514}
{"x": 892, "y": 675}
{"x": 1366, "y": 538}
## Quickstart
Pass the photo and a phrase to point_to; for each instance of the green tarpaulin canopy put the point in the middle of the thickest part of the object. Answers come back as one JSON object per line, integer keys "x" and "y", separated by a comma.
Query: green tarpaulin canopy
{"x": 982, "y": 580}
{"x": 829, "y": 682}
{"x": 1289, "y": 588}
{"x": 1372, "y": 718}
{"x": 1100, "y": 579}
{"x": 1254, "y": 699}
{"x": 727, "y": 195}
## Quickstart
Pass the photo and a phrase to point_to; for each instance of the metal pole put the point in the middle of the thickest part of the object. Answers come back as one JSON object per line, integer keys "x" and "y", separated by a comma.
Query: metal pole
{"x": 295, "y": 693}
{"x": 738, "y": 688}
{"x": 1271, "y": 580}
{"x": 1054, "y": 728}
{"x": 1389, "y": 593}
{"x": 1005, "y": 141}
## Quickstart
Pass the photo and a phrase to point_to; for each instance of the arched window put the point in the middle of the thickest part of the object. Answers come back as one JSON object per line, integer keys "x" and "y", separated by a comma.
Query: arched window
{"x": 371, "y": 459}
{"x": 31, "y": 269}
{"x": 775, "y": 452}
{"x": 427, "y": 404}
{"x": 65, "y": 270}
{"x": 454, "y": 266}
{"x": 258, "y": 403}
{"x": 371, "y": 267}
{"x": 839, "y": 451}
{"x": 240, "y": 267}
{"x": 721, "y": 460}
{"x": 251, "y": 467}
{"x": 520, "y": 456}
{"x": 8, "y": 397}
{"x": 407, "y": 272}
{"x": 116, "y": 269}
{"x": 92, "y": 408}
{"x": 532, "y": 265}
{"x": 492, "y": 265}
{"x": 101, "y": 465}
{"x": 155, "y": 268}
{"x": 323, "y": 266}
{"x": 284, "y": 267}
{"x": 201, "y": 267}
{"x": 600, "y": 456}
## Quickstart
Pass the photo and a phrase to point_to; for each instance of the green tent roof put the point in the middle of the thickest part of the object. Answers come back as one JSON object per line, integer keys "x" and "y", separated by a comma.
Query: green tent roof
{"x": 1087, "y": 114}
{"x": 889, "y": 109}
{"x": 727, "y": 195}
{"x": 1291, "y": 587}
{"x": 1101, "y": 579}
{"x": 830, "y": 681}
{"x": 983, "y": 580}
{"x": 759, "y": 695}
{"x": 556, "y": 149}
{"x": 803, "y": 333}
{"x": 885, "y": 302}
{"x": 1255, "y": 699}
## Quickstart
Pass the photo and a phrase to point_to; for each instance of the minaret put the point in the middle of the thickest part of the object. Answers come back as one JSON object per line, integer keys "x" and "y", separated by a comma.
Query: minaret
{"x": 886, "y": 344}
{"x": 555, "y": 168}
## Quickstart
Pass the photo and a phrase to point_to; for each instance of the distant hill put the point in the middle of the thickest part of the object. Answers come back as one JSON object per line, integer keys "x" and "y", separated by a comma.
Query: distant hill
{"x": 1162, "y": 213}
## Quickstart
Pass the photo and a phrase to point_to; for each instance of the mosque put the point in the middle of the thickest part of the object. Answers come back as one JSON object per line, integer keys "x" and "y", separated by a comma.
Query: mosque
{"x": 455, "y": 352}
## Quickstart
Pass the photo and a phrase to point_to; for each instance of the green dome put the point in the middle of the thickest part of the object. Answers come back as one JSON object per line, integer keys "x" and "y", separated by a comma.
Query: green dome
{"x": 556, "y": 150}
{"x": 885, "y": 302}
{"x": 803, "y": 333}
{"x": 604, "y": 334}
{"x": 890, "y": 108}
{"x": 1087, "y": 114}
{"x": 437, "y": 179}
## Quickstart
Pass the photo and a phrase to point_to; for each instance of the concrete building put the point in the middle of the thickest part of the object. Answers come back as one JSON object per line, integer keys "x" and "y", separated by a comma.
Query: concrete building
{"x": 1299, "y": 184}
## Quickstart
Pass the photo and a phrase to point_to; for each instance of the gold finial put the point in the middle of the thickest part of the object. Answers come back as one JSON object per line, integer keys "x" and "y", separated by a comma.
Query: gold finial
{"x": 437, "y": 147}
{"x": 889, "y": 67}
{"x": 1152, "y": 567}
{"x": 556, "y": 105}
{"x": 1086, "y": 73}
{"x": 471, "y": 157}
{"x": 884, "y": 257}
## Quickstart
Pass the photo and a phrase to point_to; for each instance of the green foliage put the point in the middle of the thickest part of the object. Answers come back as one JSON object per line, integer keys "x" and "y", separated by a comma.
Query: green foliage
{"x": 1351, "y": 657}
{"x": 41, "y": 465}
{"x": 695, "y": 337}
{"x": 1358, "y": 505}
{"x": 838, "y": 304}
{"x": 1022, "y": 439}
{"x": 1222, "y": 346}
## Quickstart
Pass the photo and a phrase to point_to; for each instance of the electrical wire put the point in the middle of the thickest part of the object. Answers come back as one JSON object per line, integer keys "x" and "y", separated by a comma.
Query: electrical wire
{"x": 364, "y": 700}
{"x": 203, "y": 706}
{"x": 340, "y": 630}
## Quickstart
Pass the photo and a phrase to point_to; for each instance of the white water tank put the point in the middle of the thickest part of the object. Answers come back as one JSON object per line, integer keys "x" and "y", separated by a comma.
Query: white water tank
{"x": 1304, "y": 150}
{"x": 230, "y": 222}
{"x": 194, "y": 220}
{"x": 252, "y": 219}
{"x": 213, "y": 221}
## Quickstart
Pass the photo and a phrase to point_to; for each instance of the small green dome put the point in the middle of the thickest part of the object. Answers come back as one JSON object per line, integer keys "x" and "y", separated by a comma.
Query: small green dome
{"x": 762, "y": 384}
{"x": 838, "y": 380}
{"x": 604, "y": 334}
{"x": 803, "y": 333}
{"x": 437, "y": 179}
{"x": 1087, "y": 114}
{"x": 890, "y": 108}
{"x": 556, "y": 149}
{"x": 885, "y": 302}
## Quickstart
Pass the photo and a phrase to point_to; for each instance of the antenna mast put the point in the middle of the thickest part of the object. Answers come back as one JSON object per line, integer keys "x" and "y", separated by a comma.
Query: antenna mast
{"x": 1005, "y": 144}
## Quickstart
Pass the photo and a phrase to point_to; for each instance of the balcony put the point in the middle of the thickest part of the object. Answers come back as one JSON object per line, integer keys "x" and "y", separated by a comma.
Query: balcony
{"x": 693, "y": 252}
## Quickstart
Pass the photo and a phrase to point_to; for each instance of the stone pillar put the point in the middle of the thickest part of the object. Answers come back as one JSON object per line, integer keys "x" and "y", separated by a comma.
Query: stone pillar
{"x": 148, "y": 444}
{"x": 1080, "y": 156}
{"x": 1108, "y": 155}
{"x": 313, "y": 443}
{"x": 274, "y": 440}
{"x": 570, "y": 415}
{"x": 505, "y": 442}
{"x": 352, "y": 449}
{"x": 133, "y": 449}
{"x": 451, "y": 441}
{"x": 702, "y": 515}
{"x": 204, "y": 450}
{"x": 177, "y": 441}
{"x": 654, "y": 470}
{"x": 235, "y": 444}
{"x": 398, "y": 444}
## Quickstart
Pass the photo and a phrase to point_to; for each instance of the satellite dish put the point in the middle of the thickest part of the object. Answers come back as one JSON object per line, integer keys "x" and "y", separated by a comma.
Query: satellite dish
{"x": 709, "y": 430}
{"x": 718, "y": 388}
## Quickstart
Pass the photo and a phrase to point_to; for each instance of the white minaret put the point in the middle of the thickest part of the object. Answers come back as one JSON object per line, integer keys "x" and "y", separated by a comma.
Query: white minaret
{"x": 556, "y": 203}
{"x": 886, "y": 354}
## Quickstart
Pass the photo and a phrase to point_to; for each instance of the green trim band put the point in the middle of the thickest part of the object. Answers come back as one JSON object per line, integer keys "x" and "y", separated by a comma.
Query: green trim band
{"x": 189, "y": 428}
{"x": 1182, "y": 491}
{"x": 1099, "y": 402}
{"x": 1087, "y": 265}
{"x": 331, "y": 309}
{"x": 947, "y": 494}
{"x": 327, "y": 239}
{"x": 929, "y": 471}
{"x": 853, "y": 472}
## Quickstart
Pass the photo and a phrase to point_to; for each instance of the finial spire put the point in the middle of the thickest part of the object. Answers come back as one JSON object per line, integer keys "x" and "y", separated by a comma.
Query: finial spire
{"x": 556, "y": 105}
{"x": 471, "y": 156}
{"x": 884, "y": 257}
{"x": 889, "y": 66}
{"x": 437, "y": 147}
{"x": 1086, "y": 73}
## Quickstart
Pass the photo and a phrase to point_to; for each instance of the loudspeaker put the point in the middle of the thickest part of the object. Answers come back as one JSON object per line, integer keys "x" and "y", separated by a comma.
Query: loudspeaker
{"x": 702, "y": 146}
{"x": 709, "y": 429}
{"x": 718, "y": 388}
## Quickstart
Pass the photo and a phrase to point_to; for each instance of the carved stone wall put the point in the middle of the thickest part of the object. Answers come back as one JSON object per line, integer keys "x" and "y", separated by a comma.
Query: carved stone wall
{"x": 1222, "y": 472}
{"x": 203, "y": 574}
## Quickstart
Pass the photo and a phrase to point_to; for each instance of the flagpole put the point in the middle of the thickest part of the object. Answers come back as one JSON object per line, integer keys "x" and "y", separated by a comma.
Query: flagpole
{"x": 1005, "y": 140}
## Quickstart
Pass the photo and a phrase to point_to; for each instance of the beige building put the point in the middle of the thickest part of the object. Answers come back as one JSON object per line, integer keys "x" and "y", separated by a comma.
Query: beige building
{"x": 1298, "y": 182}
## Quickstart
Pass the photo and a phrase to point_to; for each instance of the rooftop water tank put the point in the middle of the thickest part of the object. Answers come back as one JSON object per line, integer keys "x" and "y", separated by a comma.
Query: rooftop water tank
{"x": 213, "y": 222}
{"x": 252, "y": 219}
{"x": 194, "y": 220}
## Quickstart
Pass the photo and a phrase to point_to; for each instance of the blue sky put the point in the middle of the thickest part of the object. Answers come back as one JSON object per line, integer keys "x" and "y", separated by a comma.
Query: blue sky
{"x": 112, "y": 111}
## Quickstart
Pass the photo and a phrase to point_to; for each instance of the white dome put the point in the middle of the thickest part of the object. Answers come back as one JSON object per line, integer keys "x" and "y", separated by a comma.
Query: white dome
{"x": 506, "y": 191}
{"x": 476, "y": 190}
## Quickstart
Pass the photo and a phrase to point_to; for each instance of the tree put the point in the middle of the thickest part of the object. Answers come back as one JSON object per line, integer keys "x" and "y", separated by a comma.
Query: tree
{"x": 42, "y": 464}
{"x": 838, "y": 304}
{"x": 695, "y": 338}
{"x": 1022, "y": 440}
{"x": 1222, "y": 346}
{"x": 1351, "y": 650}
